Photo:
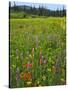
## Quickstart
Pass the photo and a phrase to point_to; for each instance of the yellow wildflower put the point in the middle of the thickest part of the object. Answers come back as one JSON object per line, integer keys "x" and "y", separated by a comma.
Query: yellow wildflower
{"x": 43, "y": 77}
{"x": 30, "y": 56}
{"x": 62, "y": 79}
{"x": 40, "y": 85}
{"x": 49, "y": 69}
{"x": 38, "y": 82}
{"x": 14, "y": 66}
{"x": 29, "y": 83}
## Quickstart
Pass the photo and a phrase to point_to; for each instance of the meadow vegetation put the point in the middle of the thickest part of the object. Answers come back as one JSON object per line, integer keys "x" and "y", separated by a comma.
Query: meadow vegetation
{"x": 37, "y": 51}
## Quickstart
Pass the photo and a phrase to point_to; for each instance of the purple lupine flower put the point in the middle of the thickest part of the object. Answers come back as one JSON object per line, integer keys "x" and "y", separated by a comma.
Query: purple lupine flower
{"x": 44, "y": 61}
{"x": 21, "y": 56}
{"x": 37, "y": 41}
{"x": 17, "y": 75}
{"x": 41, "y": 59}
{"x": 33, "y": 52}
{"x": 17, "y": 54}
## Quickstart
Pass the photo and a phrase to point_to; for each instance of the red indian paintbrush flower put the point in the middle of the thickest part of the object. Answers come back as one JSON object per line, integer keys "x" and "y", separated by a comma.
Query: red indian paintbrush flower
{"x": 26, "y": 76}
{"x": 28, "y": 65}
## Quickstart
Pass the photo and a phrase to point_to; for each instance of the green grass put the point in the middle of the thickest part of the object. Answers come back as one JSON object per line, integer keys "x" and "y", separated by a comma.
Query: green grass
{"x": 46, "y": 36}
{"x": 17, "y": 15}
{"x": 22, "y": 15}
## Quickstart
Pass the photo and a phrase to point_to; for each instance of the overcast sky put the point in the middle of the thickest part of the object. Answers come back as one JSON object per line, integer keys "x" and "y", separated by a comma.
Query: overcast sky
{"x": 49, "y": 6}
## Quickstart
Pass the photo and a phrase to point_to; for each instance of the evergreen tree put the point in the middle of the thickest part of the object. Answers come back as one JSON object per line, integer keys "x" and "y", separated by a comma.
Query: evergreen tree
{"x": 39, "y": 10}
{"x": 15, "y": 7}
{"x": 64, "y": 11}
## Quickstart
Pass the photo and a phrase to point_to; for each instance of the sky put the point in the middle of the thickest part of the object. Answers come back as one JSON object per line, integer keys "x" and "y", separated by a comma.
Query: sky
{"x": 49, "y": 6}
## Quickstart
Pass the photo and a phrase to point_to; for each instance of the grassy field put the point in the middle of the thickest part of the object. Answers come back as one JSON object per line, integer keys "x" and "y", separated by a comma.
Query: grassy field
{"x": 37, "y": 52}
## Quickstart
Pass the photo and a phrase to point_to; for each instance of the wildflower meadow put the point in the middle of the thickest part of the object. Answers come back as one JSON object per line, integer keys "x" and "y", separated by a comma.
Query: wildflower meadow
{"x": 37, "y": 51}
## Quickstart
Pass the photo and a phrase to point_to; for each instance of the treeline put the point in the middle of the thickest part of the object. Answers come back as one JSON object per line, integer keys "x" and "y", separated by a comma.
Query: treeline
{"x": 40, "y": 11}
